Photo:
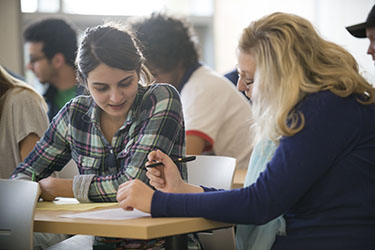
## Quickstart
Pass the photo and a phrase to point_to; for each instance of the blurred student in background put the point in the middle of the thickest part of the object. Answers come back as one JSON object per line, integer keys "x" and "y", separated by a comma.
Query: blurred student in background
{"x": 52, "y": 47}
{"x": 213, "y": 108}
{"x": 366, "y": 29}
{"x": 310, "y": 99}
{"x": 232, "y": 76}
{"x": 23, "y": 120}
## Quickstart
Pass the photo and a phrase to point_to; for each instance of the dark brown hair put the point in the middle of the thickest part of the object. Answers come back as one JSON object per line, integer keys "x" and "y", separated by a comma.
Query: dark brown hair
{"x": 113, "y": 47}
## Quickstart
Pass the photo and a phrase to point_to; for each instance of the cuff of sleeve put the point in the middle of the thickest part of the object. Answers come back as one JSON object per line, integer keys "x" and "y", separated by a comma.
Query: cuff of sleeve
{"x": 81, "y": 185}
{"x": 158, "y": 199}
{"x": 22, "y": 177}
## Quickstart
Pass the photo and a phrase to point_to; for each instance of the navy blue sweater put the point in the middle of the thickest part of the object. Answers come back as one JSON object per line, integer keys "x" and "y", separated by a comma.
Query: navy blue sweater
{"x": 322, "y": 179}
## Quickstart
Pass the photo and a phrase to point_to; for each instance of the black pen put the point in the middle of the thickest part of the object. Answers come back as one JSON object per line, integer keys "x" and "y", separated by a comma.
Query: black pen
{"x": 177, "y": 160}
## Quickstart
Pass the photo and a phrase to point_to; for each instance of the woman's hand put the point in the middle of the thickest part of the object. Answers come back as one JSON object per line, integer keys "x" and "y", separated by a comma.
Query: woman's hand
{"x": 167, "y": 178}
{"x": 135, "y": 194}
{"x": 54, "y": 187}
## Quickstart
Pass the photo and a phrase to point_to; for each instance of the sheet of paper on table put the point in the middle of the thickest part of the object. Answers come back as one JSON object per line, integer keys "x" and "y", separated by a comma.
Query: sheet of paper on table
{"x": 72, "y": 204}
{"x": 108, "y": 214}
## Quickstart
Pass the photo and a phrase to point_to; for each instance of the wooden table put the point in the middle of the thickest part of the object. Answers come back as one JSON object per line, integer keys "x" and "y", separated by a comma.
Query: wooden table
{"x": 139, "y": 228}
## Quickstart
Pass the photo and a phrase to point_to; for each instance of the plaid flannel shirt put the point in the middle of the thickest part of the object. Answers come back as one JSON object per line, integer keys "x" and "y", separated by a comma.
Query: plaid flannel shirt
{"x": 155, "y": 121}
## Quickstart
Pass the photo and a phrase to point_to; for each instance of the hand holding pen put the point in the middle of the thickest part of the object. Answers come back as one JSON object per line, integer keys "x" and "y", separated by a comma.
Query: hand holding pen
{"x": 166, "y": 176}
{"x": 175, "y": 160}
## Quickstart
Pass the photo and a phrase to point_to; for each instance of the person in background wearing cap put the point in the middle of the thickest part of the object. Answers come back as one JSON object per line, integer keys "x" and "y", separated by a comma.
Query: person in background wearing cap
{"x": 366, "y": 29}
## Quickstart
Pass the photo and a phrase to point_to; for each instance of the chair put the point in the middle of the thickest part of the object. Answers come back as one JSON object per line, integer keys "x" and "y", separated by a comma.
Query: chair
{"x": 214, "y": 171}
{"x": 18, "y": 201}
{"x": 211, "y": 171}
{"x": 81, "y": 242}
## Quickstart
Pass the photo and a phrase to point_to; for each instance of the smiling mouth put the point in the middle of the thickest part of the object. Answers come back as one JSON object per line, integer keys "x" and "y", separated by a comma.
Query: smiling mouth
{"x": 117, "y": 105}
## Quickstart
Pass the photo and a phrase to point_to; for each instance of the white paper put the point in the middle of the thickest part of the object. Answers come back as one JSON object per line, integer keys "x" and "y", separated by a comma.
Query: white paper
{"x": 65, "y": 200}
{"x": 108, "y": 214}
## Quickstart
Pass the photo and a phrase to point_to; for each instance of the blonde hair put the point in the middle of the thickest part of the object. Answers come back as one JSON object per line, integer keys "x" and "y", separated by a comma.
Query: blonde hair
{"x": 293, "y": 61}
{"x": 8, "y": 82}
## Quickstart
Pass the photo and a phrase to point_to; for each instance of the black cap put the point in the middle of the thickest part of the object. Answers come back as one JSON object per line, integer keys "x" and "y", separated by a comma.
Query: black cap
{"x": 359, "y": 30}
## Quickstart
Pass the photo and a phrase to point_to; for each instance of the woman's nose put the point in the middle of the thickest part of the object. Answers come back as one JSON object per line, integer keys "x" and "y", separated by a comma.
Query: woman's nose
{"x": 240, "y": 85}
{"x": 115, "y": 96}
{"x": 371, "y": 50}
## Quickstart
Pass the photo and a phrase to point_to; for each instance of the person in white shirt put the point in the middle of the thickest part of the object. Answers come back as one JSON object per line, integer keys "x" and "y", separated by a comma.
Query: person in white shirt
{"x": 213, "y": 125}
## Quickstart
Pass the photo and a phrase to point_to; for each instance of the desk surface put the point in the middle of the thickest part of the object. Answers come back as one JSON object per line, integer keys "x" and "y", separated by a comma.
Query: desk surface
{"x": 139, "y": 228}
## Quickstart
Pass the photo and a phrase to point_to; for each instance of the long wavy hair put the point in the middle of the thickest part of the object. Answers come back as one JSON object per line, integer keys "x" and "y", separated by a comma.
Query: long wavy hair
{"x": 8, "y": 82}
{"x": 292, "y": 61}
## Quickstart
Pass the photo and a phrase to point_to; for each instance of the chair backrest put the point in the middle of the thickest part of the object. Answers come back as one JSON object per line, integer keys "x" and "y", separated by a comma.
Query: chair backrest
{"x": 214, "y": 171}
{"x": 17, "y": 205}
{"x": 211, "y": 171}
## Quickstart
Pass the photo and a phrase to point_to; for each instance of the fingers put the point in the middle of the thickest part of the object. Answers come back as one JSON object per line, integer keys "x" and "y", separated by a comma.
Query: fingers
{"x": 165, "y": 159}
{"x": 159, "y": 156}
{"x": 156, "y": 156}
{"x": 152, "y": 156}
{"x": 159, "y": 187}
{"x": 156, "y": 182}
{"x": 156, "y": 177}
{"x": 124, "y": 204}
{"x": 122, "y": 196}
{"x": 154, "y": 171}
{"x": 122, "y": 191}
{"x": 135, "y": 194}
{"x": 127, "y": 183}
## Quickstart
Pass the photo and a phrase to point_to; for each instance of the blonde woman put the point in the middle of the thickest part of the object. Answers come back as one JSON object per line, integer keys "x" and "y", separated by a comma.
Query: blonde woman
{"x": 23, "y": 120}
{"x": 310, "y": 99}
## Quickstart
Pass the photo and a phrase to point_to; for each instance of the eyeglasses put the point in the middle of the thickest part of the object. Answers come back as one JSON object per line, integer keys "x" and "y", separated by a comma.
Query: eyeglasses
{"x": 35, "y": 59}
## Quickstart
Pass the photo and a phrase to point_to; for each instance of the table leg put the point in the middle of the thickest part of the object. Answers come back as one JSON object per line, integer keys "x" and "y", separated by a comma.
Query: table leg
{"x": 177, "y": 242}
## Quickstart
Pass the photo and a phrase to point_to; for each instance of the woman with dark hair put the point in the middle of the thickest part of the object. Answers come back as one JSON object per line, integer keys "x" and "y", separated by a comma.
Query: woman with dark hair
{"x": 110, "y": 132}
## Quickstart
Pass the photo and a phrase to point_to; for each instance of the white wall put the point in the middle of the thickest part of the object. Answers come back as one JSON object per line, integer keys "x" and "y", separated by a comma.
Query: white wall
{"x": 10, "y": 38}
{"x": 330, "y": 17}
{"x": 231, "y": 16}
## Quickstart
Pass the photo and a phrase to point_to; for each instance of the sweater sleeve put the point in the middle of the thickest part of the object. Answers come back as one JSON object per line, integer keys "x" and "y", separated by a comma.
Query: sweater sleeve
{"x": 331, "y": 126}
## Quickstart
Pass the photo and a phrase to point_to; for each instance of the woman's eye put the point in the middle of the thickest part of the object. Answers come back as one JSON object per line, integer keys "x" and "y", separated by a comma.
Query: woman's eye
{"x": 249, "y": 81}
{"x": 101, "y": 89}
{"x": 124, "y": 85}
